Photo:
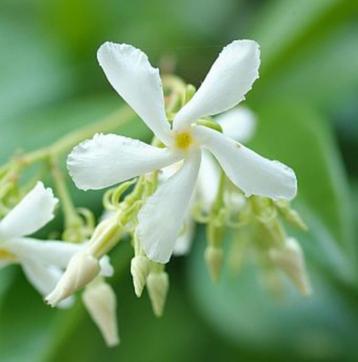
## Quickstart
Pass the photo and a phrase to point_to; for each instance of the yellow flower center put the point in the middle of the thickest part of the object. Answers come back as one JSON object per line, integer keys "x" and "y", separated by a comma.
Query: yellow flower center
{"x": 183, "y": 140}
{"x": 6, "y": 255}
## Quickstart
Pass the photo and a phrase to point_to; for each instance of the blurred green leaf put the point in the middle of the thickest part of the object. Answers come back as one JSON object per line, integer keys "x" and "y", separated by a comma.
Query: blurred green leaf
{"x": 281, "y": 24}
{"x": 32, "y": 70}
{"x": 308, "y": 51}
{"x": 322, "y": 74}
{"x": 25, "y": 321}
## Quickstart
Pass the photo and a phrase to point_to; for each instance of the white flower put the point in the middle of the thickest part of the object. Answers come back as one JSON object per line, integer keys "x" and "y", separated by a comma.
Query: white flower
{"x": 109, "y": 159}
{"x": 42, "y": 262}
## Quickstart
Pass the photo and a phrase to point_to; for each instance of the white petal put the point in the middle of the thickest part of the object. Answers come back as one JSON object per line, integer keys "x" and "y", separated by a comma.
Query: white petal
{"x": 238, "y": 123}
{"x": 33, "y": 212}
{"x": 109, "y": 159}
{"x": 106, "y": 266}
{"x": 226, "y": 84}
{"x": 101, "y": 304}
{"x": 208, "y": 181}
{"x": 137, "y": 82}
{"x": 56, "y": 253}
{"x": 170, "y": 170}
{"x": 252, "y": 173}
{"x": 44, "y": 278}
{"x": 184, "y": 240}
{"x": 162, "y": 216}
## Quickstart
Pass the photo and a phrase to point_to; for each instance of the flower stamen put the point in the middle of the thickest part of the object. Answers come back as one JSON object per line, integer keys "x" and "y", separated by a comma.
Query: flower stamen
{"x": 183, "y": 140}
{"x": 6, "y": 255}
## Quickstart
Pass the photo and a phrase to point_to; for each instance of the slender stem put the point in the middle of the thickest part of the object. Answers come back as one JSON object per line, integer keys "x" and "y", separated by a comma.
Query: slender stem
{"x": 71, "y": 216}
{"x": 214, "y": 233}
{"x": 110, "y": 123}
{"x": 219, "y": 198}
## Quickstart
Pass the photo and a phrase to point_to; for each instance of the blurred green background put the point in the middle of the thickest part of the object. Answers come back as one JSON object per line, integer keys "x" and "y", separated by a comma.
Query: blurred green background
{"x": 307, "y": 105}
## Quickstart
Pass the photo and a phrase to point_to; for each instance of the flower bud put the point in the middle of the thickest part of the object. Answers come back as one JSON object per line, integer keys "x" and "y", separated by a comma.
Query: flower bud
{"x": 82, "y": 268}
{"x": 100, "y": 302}
{"x": 158, "y": 285}
{"x": 290, "y": 259}
{"x": 214, "y": 258}
{"x": 139, "y": 271}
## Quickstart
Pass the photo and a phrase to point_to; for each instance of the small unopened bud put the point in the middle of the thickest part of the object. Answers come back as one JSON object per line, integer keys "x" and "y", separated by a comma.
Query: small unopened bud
{"x": 139, "y": 271}
{"x": 81, "y": 269}
{"x": 290, "y": 259}
{"x": 101, "y": 304}
{"x": 158, "y": 285}
{"x": 214, "y": 258}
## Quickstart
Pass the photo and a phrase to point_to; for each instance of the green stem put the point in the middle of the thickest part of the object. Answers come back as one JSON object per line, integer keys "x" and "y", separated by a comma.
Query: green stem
{"x": 214, "y": 232}
{"x": 108, "y": 124}
{"x": 218, "y": 203}
{"x": 64, "y": 144}
{"x": 72, "y": 219}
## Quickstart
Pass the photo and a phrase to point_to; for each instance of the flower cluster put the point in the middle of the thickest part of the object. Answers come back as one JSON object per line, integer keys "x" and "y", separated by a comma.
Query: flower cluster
{"x": 196, "y": 170}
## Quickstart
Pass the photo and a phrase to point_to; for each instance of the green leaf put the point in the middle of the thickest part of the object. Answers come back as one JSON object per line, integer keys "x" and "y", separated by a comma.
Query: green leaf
{"x": 307, "y": 51}
{"x": 281, "y": 25}
{"x": 320, "y": 73}
{"x": 25, "y": 321}
{"x": 32, "y": 70}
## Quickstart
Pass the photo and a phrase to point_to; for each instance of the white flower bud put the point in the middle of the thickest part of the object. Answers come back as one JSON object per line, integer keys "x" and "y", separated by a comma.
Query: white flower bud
{"x": 214, "y": 258}
{"x": 158, "y": 285}
{"x": 139, "y": 271}
{"x": 101, "y": 304}
{"x": 290, "y": 259}
{"x": 82, "y": 268}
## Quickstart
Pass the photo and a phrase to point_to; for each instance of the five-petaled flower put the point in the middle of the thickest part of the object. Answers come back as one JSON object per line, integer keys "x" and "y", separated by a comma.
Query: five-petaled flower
{"x": 110, "y": 159}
